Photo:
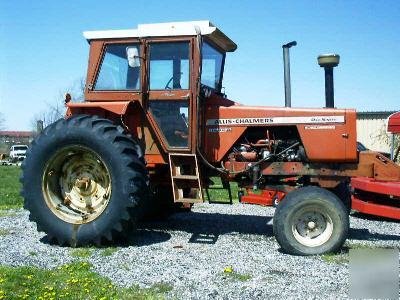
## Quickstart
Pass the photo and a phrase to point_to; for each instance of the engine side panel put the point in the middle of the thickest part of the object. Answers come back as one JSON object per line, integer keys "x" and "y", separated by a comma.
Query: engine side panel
{"x": 331, "y": 142}
{"x": 328, "y": 135}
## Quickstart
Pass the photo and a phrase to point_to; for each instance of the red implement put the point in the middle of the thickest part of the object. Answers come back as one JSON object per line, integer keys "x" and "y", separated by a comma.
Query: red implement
{"x": 379, "y": 198}
{"x": 266, "y": 198}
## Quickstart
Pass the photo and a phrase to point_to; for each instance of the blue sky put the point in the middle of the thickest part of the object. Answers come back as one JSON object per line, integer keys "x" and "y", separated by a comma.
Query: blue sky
{"x": 42, "y": 50}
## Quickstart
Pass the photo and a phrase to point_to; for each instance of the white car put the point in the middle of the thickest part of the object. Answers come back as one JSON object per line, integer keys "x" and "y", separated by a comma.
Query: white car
{"x": 18, "y": 152}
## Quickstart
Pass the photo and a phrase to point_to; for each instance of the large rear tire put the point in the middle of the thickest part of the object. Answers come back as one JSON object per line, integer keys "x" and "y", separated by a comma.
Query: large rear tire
{"x": 310, "y": 221}
{"x": 84, "y": 181}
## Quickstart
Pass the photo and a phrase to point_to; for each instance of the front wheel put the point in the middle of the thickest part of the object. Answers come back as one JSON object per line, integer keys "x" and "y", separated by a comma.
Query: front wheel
{"x": 310, "y": 221}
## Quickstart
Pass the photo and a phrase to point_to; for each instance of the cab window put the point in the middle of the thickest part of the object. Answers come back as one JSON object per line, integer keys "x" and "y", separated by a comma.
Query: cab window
{"x": 169, "y": 66}
{"x": 211, "y": 69}
{"x": 172, "y": 117}
{"x": 115, "y": 72}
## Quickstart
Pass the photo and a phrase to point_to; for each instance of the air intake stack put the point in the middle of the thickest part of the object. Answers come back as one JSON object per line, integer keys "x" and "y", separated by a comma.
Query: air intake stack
{"x": 328, "y": 62}
{"x": 286, "y": 65}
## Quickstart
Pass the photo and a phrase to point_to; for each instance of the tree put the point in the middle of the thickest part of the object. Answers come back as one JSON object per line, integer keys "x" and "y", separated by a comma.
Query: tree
{"x": 386, "y": 138}
{"x": 2, "y": 122}
{"x": 56, "y": 109}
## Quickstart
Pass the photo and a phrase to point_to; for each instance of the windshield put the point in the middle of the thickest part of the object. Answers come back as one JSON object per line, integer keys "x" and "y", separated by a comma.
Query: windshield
{"x": 19, "y": 148}
{"x": 169, "y": 66}
{"x": 212, "y": 64}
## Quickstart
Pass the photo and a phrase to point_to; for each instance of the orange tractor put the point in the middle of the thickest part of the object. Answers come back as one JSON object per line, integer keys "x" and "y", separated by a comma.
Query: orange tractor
{"x": 155, "y": 126}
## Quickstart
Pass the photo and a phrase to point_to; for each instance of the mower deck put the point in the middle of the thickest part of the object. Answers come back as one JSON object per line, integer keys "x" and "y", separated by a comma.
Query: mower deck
{"x": 380, "y": 198}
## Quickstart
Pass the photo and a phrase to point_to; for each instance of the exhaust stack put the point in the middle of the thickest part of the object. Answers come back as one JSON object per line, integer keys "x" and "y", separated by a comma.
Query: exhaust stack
{"x": 286, "y": 66}
{"x": 328, "y": 62}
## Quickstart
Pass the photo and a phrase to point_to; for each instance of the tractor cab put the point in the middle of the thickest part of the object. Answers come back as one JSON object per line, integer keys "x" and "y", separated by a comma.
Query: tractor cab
{"x": 158, "y": 66}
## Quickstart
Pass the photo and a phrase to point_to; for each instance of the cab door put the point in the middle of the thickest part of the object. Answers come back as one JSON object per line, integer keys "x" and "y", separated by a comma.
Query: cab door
{"x": 169, "y": 101}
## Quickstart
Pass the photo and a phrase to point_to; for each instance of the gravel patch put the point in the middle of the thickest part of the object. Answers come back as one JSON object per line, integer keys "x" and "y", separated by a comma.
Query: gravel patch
{"x": 191, "y": 250}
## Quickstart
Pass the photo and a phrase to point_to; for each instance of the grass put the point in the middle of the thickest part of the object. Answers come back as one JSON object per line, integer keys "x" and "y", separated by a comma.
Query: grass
{"x": 10, "y": 187}
{"x": 162, "y": 288}
{"x": 125, "y": 267}
{"x": 4, "y": 232}
{"x": 71, "y": 281}
{"x": 108, "y": 251}
{"x": 333, "y": 258}
{"x": 221, "y": 195}
{"x": 4, "y": 214}
{"x": 232, "y": 274}
{"x": 82, "y": 252}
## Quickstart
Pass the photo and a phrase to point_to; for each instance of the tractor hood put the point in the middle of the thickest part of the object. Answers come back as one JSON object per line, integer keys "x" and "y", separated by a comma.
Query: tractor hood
{"x": 327, "y": 134}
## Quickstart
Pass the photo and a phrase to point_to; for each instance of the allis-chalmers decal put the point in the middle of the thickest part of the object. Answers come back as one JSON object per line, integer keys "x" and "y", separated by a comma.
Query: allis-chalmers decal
{"x": 275, "y": 120}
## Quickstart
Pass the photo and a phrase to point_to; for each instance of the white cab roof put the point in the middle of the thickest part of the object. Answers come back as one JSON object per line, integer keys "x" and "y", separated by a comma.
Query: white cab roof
{"x": 206, "y": 28}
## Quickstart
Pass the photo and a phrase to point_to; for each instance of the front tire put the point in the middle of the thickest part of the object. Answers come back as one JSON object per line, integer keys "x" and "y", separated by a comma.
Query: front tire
{"x": 83, "y": 181}
{"x": 310, "y": 221}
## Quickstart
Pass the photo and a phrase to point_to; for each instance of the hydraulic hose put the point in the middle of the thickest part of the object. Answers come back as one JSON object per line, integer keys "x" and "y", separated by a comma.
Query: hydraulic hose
{"x": 261, "y": 161}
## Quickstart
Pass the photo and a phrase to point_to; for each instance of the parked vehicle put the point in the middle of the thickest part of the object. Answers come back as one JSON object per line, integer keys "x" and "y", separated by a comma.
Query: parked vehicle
{"x": 18, "y": 152}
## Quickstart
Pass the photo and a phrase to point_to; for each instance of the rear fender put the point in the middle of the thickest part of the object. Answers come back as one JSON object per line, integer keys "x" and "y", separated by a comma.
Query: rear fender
{"x": 98, "y": 108}
{"x": 128, "y": 114}
{"x": 123, "y": 113}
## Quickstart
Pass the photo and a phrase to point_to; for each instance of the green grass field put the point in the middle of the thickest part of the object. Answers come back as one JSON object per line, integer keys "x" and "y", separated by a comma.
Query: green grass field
{"x": 10, "y": 187}
{"x": 71, "y": 281}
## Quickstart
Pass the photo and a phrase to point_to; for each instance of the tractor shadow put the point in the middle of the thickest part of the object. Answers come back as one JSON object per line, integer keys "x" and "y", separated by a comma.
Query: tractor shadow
{"x": 139, "y": 237}
{"x": 143, "y": 237}
{"x": 362, "y": 216}
{"x": 366, "y": 235}
{"x": 206, "y": 228}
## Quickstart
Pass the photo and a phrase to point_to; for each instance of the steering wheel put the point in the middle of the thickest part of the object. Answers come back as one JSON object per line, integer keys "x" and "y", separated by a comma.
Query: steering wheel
{"x": 167, "y": 87}
{"x": 172, "y": 78}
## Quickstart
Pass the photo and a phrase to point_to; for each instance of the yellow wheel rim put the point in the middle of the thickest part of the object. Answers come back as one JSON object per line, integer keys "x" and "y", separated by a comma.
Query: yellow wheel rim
{"x": 76, "y": 184}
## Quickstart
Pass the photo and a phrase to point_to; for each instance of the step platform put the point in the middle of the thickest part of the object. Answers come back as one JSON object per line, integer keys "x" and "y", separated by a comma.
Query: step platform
{"x": 185, "y": 177}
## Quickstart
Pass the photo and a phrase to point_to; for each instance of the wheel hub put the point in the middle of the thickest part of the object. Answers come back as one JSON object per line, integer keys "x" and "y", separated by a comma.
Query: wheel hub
{"x": 77, "y": 185}
{"x": 312, "y": 227}
{"x": 83, "y": 183}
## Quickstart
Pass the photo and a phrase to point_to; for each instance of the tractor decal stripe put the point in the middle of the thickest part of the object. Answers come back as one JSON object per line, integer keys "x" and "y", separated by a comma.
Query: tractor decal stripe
{"x": 321, "y": 127}
{"x": 275, "y": 120}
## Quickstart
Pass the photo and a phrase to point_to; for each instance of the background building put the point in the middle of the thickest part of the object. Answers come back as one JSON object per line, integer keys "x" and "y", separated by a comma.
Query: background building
{"x": 9, "y": 138}
{"x": 371, "y": 130}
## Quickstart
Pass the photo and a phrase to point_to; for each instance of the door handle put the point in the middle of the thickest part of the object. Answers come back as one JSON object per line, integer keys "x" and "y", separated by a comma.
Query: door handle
{"x": 345, "y": 135}
{"x": 185, "y": 96}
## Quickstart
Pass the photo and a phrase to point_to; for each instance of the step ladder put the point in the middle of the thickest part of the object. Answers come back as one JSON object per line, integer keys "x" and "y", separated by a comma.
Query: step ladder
{"x": 185, "y": 178}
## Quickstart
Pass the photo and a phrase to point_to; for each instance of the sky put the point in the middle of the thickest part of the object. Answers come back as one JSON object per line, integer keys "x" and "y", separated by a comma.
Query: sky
{"x": 43, "y": 52}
